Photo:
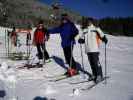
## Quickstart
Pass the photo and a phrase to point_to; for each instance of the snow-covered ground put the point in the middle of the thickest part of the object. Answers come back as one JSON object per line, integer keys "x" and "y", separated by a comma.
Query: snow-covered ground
{"x": 33, "y": 82}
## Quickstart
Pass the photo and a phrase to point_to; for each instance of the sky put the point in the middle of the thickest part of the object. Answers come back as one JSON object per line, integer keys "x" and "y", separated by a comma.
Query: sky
{"x": 98, "y": 8}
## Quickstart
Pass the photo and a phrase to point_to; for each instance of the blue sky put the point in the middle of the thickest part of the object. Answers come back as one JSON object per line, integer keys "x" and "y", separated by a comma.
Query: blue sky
{"x": 98, "y": 8}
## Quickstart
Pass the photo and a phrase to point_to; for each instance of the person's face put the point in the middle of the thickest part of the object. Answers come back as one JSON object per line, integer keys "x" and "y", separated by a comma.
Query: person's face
{"x": 64, "y": 21}
{"x": 90, "y": 23}
{"x": 40, "y": 26}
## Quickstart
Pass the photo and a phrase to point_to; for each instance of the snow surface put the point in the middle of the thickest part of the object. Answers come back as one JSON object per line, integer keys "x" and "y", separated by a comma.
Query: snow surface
{"x": 24, "y": 84}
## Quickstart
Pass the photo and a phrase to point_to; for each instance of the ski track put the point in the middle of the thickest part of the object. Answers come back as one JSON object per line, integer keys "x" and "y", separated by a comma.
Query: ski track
{"x": 32, "y": 82}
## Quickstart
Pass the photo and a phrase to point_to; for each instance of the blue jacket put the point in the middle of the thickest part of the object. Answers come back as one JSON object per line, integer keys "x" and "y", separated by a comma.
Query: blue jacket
{"x": 67, "y": 31}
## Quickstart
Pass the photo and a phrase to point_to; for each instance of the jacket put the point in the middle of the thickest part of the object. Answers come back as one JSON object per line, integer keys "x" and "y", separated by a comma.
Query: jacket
{"x": 40, "y": 36}
{"x": 67, "y": 31}
{"x": 92, "y": 36}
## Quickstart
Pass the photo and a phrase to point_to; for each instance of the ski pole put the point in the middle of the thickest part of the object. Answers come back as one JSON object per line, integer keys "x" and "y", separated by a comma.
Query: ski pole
{"x": 82, "y": 56}
{"x": 8, "y": 44}
{"x": 28, "y": 60}
{"x": 82, "y": 60}
{"x": 71, "y": 55}
{"x": 105, "y": 65}
{"x": 30, "y": 50}
{"x": 5, "y": 41}
{"x": 44, "y": 58}
{"x": 27, "y": 44}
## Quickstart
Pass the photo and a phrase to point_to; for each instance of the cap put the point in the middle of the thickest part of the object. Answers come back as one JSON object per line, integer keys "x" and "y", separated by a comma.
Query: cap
{"x": 40, "y": 22}
{"x": 64, "y": 16}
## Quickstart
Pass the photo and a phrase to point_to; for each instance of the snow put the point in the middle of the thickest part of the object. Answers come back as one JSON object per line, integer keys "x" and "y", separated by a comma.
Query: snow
{"x": 24, "y": 84}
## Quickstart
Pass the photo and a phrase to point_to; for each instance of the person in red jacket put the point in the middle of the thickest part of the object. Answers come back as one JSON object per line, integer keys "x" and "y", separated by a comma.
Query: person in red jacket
{"x": 13, "y": 36}
{"x": 41, "y": 35}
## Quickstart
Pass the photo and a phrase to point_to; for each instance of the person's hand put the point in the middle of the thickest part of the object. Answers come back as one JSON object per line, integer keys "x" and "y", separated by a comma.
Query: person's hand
{"x": 81, "y": 41}
{"x": 47, "y": 38}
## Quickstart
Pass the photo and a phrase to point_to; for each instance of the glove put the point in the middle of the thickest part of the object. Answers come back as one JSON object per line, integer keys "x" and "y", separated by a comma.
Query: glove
{"x": 47, "y": 38}
{"x": 105, "y": 40}
{"x": 81, "y": 41}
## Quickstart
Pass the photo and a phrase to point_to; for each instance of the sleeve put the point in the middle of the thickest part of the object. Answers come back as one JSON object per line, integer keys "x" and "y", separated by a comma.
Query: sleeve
{"x": 100, "y": 32}
{"x": 82, "y": 33}
{"x": 55, "y": 30}
{"x": 102, "y": 35}
{"x": 75, "y": 30}
{"x": 82, "y": 36}
{"x": 46, "y": 31}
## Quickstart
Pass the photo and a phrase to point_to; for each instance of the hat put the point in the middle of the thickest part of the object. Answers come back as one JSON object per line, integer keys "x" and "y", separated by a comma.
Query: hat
{"x": 64, "y": 16}
{"x": 14, "y": 28}
{"x": 40, "y": 22}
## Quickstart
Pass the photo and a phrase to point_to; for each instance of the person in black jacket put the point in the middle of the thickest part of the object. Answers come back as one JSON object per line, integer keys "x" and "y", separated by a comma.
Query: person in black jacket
{"x": 68, "y": 32}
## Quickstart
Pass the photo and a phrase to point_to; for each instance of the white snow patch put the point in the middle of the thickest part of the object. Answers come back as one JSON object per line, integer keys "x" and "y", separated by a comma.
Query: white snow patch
{"x": 31, "y": 83}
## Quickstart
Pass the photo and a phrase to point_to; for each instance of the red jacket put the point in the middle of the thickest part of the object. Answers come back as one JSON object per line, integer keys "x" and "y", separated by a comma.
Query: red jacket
{"x": 40, "y": 36}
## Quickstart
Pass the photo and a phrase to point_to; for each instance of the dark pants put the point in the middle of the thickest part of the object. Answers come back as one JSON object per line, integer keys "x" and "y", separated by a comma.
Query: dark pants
{"x": 68, "y": 57}
{"x": 40, "y": 49}
{"x": 95, "y": 64}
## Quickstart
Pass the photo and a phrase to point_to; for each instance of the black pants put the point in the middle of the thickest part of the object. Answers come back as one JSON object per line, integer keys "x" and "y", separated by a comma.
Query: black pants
{"x": 40, "y": 49}
{"x": 68, "y": 57}
{"x": 95, "y": 64}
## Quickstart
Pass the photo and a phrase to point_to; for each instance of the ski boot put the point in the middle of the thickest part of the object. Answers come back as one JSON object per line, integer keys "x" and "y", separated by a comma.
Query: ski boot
{"x": 48, "y": 60}
{"x": 98, "y": 79}
{"x": 71, "y": 72}
{"x": 40, "y": 64}
{"x": 91, "y": 78}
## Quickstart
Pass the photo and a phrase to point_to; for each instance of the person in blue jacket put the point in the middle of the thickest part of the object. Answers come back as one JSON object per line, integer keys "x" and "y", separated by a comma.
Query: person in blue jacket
{"x": 68, "y": 32}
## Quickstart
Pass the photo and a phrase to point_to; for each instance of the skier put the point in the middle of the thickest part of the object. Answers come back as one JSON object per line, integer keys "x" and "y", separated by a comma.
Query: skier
{"x": 41, "y": 35}
{"x": 68, "y": 32}
{"x": 13, "y": 36}
{"x": 90, "y": 36}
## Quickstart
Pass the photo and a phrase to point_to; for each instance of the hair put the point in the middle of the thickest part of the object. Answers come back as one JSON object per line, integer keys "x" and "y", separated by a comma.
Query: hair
{"x": 41, "y": 21}
{"x": 64, "y": 14}
{"x": 66, "y": 17}
{"x": 14, "y": 28}
{"x": 87, "y": 20}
